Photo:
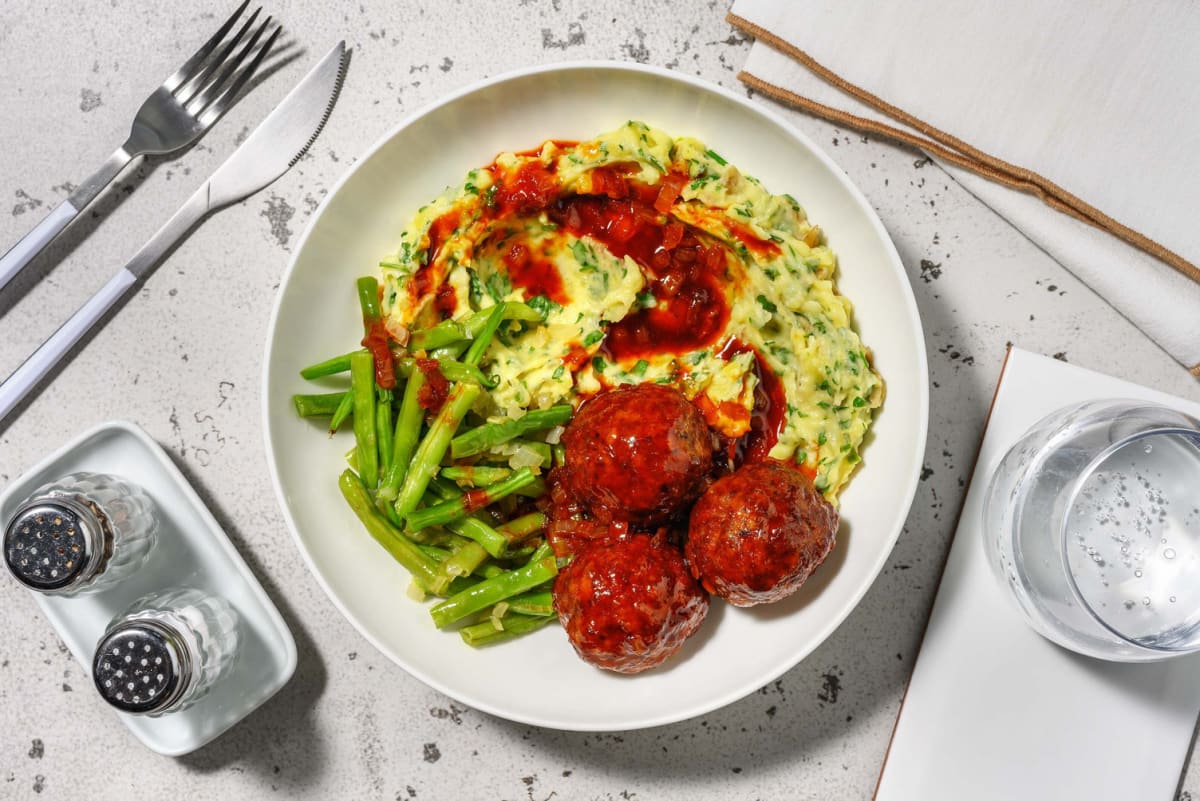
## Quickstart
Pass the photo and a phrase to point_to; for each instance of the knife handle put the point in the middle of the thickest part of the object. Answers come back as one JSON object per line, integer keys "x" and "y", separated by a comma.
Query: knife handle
{"x": 32, "y": 243}
{"x": 44, "y": 359}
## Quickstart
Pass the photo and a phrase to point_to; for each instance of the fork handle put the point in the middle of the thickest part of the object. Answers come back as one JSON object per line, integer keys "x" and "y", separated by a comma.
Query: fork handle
{"x": 32, "y": 243}
{"x": 60, "y": 216}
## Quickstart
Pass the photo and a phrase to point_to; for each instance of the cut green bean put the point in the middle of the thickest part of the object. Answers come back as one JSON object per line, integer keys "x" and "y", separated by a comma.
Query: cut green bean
{"x": 343, "y": 411}
{"x": 449, "y": 332}
{"x": 483, "y": 339}
{"x": 475, "y": 475}
{"x": 338, "y": 364}
{"x": 534, "y": 489}
{"x": 460, "y": 563}
{"x": 532, "y": 603}
{"x": 368, "y": 301}
{"x": 493, "y": 590}
{"x": 490, "y": 631}
{"x": 495, "y": 543}
{"x": 521, "y": 528}
{"x": 428, "y": 456}
{"x": 490, "y": 435}
{"x": 451, "y": 370}
{"x": 423, "y": 568}
{"x": 408, "y": 433}
{"x": 383, "y": 428}
{"x": 320, "y": 405}
{"x": 362, "y": 386}
{"x": 458, "y": 508}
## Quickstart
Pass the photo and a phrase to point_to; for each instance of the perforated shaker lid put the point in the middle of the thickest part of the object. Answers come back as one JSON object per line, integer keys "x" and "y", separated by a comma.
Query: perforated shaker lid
{"x": 53, "y": 544}
{"x": 141, "y": 666}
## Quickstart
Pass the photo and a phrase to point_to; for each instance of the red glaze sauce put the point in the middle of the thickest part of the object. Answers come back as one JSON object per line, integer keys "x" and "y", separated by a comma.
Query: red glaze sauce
{"x": 685, "y": 276}
{"x": 445, "y": 301}
{"x": 752, "y": 241}
{"x": 527, "y": 191}
{"x": 770, "y": 407}
{"x": 377, "y": 341}
{"x": 433, "y": 392}
{"x": 533, "y": 272}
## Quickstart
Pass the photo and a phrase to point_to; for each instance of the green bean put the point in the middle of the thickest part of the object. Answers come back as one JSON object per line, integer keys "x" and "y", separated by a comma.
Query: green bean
{"x": 362, "y": 385}
{"x": 383, "y": 428}
{"x": 483, "y": 339}
{"x": 532, "y": 603}
{"x": 451, "y": 370}
{"x": 495, "y": 543}
{"x": 368, "y": 301}
{"x": 433, "y": 447}
{"x": 423, "y": 568}
{"x": 449, "y": 332}
{"x": 408, "y": 433}
{"x": 475, "y": 475}
{"x": 338, "y": 364}
{"x": 322, "y": 405}
{"x": 493, "y": 590}
{"x": 461, "y": 562}
{"x": 344, "y": 410}
{"x": 523, "y": 527}
{"x": 490, "y": 435}
{"x": 458, "y": 508}
{"x": 491, "y": 631}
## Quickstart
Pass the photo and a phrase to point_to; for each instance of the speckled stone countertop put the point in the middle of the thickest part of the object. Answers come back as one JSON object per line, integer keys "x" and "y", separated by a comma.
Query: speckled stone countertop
{"x": 183, "y": 360}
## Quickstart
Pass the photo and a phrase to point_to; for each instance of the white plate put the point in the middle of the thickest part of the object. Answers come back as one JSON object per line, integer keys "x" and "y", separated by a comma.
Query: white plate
{"x": 191, "y": 551}
{"x": 539, "y": 679}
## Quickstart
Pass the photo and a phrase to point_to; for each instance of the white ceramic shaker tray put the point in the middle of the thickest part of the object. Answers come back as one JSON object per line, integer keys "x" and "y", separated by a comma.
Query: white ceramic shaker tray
{"x": 192, "y": 551}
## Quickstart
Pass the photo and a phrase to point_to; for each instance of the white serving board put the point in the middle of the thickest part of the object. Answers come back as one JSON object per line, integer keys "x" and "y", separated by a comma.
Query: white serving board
{"x": 191, "y": 551}
{"x": 994, "y": 711}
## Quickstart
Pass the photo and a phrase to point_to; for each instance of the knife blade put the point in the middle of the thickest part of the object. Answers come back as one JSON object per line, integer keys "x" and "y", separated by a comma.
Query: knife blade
{"x": 272, "y": 149}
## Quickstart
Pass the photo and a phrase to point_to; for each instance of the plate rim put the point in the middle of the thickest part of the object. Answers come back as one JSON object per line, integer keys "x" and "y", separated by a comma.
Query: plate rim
{"x": 907, "y": 298}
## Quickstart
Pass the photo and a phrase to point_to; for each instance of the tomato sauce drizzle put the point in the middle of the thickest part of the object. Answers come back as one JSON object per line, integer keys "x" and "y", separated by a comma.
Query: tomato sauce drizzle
{"x": 768, "y": 416}
{"x": 533, "y": 272}
{"x": 433, "y": 392}
{"x": 685, "y": 275}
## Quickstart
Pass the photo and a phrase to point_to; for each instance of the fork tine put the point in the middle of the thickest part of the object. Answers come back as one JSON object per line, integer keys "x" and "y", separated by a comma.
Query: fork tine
{"x": 205, "y": 98}
{"x": 185, "y": 72}
{"x": 193, "y": 87}
{"x": 220, "y": 103}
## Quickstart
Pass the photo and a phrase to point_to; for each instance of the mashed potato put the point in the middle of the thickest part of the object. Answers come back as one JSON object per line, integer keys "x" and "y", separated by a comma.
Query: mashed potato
{"x": 652, "y": 259}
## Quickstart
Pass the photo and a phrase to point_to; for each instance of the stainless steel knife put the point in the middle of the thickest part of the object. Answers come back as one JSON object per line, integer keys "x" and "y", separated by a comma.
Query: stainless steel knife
{"x": 270, "y": 151}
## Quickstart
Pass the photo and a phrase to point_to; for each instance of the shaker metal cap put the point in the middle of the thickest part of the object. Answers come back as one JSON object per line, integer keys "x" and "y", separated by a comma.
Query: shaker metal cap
{"x": 52, "y": 544}
{"x": 141, "y": 666}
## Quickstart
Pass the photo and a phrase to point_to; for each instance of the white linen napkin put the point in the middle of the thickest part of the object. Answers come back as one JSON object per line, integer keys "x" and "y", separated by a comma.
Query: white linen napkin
{"x": 1095, "y": 108}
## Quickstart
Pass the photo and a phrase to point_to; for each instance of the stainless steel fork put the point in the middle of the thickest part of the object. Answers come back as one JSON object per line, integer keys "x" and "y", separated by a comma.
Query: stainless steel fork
{"x": 172, "y": 117}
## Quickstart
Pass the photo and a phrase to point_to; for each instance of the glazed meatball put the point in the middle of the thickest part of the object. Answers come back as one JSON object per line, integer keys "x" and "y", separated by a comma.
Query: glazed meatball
{"x": 630, "y": 604}
{"x": 637, "y": 454}
{"x": 758, "y": 533}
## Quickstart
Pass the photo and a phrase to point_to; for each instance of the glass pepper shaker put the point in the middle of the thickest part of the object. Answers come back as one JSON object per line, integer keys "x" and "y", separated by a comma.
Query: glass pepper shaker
{"x": 166, "y": 652}
{"x": 80, "y": 533}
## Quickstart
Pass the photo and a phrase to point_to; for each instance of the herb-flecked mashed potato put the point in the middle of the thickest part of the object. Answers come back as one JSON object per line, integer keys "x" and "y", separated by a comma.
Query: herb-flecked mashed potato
{"x": 653, "y": 260}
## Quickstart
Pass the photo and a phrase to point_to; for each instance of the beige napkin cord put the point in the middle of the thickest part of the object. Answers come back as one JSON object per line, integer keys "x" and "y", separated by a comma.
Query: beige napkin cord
{"x": 946, "y": 146}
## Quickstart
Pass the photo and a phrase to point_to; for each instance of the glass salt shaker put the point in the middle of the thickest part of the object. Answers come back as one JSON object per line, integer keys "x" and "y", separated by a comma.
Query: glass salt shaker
{"x": 166, "y": 652}
{"x": 80, "y": 533}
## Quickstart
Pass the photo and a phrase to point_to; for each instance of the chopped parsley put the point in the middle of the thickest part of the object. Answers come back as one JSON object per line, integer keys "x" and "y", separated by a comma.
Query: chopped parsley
{"x": 766, "y": 304}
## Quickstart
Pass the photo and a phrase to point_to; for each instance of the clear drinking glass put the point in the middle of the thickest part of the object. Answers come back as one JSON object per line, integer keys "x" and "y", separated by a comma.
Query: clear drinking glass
{"x": 1093, "y": 522}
